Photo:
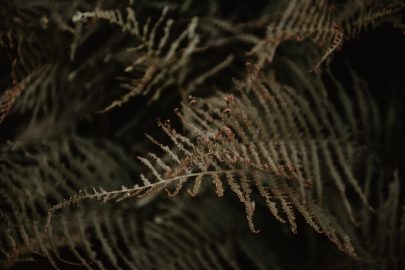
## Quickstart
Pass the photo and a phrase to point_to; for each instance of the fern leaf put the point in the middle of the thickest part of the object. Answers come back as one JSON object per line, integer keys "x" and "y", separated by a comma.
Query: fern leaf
{"x": 162, "y": 63}
{"x": 321, "y": 22}
{"x": 249, "y": 151}
{"x": 300, "y": 20}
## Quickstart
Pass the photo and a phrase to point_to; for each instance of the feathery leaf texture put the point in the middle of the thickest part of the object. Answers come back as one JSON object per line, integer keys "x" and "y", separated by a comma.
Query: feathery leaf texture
{"x": 322, "y": 23}
{"x": 27, "y": 65}
{"x": 270, "y": 140}
{"x": 387, "y": 248}
{"x": 8, "y": 98}
{"x": 304, "y": 146}
{"x": 176, "y": 237}
{"x": 33, "y": 178}
{"x": 161, "y": 59}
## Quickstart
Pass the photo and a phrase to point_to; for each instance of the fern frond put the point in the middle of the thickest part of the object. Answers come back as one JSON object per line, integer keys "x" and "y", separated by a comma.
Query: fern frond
{"x": 162, "y": 59}
{"x": 260, "y": 141}
{"x": 177, "y": 237}
{"x": 9, "y": 97}
{"x": 306, "y": 147}
{"x": 367, "y": 14}
{"x": 321, "y": 22}
{"x": 39, "y": 65}
{"x": 301, "y": 20}
{"x": 26, "y": 53}
{"x": 34, "y": 177}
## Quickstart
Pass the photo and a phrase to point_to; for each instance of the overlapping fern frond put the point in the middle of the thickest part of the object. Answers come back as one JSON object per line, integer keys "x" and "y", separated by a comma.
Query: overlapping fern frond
{"x": 326, "y": 23}
{"x": 301, "y": 20}
{"x": 173, "y": 237}
{"x": 385, "y": 251}
{"x": 28, "y": 64}
{"x": 288, "y": 146}
{"x": 161, "y": 59}
{"x": 33, "y": 178}
{"x": 34, "y": 59}
{"x": 306, "y": 147}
